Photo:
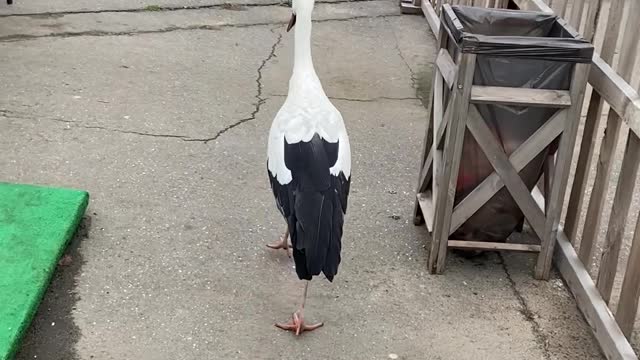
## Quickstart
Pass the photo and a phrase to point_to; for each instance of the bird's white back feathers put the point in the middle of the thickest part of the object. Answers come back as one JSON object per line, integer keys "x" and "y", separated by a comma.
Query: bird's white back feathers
{"x": 307, "y": 112}
{"x": 307, "y": 109}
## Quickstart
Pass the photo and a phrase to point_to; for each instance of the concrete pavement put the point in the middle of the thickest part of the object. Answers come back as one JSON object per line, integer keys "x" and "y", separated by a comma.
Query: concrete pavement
{"x": 163, "y": 115}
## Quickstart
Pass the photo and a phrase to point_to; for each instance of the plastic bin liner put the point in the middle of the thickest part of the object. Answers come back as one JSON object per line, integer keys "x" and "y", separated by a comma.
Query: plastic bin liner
{"x": 514, "y": 33}
{"x": 515, "y": 49}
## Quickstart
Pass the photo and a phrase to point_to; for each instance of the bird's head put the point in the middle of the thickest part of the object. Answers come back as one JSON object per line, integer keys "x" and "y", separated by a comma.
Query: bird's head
{"x": 302, "y": 8}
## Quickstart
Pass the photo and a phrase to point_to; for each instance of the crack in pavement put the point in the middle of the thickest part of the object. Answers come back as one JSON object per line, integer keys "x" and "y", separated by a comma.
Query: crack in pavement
{"x": 224, "y": 6}
{"x": 6, "y": 113}
{"x": 185, "y": 138}
{"x": 529, "y": 316}
{"x": 414, "y": 77}
{"x": 260, "y": 100}
{"x": 68, "y": 34}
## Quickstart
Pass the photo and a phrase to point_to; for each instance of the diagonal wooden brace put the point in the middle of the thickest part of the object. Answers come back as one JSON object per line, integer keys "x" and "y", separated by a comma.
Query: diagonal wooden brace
{"x": 506, "y": 171}
{"x": 519, "y": 159}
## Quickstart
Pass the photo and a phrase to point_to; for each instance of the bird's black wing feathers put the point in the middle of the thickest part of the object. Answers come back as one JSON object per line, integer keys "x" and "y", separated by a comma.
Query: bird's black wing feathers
{"x": 314, "y": 204}
{"x": 283, "y": 195}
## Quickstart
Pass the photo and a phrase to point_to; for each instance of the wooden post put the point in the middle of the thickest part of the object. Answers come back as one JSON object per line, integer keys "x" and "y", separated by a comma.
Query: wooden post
{"x": 446, "y": 176}
{"x": 561, "y": 173}
{"x": 429, "y": 135}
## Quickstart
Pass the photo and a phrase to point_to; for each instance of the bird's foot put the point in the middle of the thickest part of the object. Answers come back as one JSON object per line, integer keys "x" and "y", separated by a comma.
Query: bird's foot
{"x": 297, "y": 324}
{"x": 281, "y": 243}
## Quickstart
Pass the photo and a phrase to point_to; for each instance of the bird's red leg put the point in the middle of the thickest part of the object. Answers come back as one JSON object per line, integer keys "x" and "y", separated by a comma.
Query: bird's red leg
{"x": 282, "y": 243}
{"x": 297, "y": 324}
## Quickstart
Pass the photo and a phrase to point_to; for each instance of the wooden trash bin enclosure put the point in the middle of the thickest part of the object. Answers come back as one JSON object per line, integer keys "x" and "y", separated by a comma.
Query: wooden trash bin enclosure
{"x": 507, "y": 93}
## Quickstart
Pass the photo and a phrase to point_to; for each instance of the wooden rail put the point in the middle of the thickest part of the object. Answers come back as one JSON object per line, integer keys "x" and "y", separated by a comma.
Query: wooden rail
{"x": 582, "y": 255}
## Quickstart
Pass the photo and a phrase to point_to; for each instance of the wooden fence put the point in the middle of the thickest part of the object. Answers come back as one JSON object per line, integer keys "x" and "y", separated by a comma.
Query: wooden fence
{"x": 592, "y": 264}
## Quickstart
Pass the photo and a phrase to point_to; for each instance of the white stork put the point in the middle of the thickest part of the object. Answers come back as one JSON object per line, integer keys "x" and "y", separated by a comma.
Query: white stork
{"x": 309, "y": 167}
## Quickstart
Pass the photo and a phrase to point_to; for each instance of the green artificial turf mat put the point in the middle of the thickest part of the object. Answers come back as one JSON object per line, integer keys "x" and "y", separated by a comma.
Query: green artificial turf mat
{"x": 36, "y": 223}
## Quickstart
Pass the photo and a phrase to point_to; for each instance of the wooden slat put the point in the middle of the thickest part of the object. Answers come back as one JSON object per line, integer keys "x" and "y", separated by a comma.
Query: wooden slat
{"x": 588, "y": 147}
{"x": 606, "y": 331}
{"x": 599, "y": 190}
{"x": 508, "y": 174}
{"x": 539, "y": 198}
{"x": 502, "y": 4}
{"x": 563, "y": 8}
{"x": 447, "y": 67}
{"x": 520, "y": 96}
{"x": 575, "y": 19}
{"x": 548, "y": 168}
{"x": 481, "y": 245}
{"x": 519, "y": 159}
{"x": 427, "y": 153}
{"x": 618, "y": 218}
{"x": 612, "y": 31}
{"x": 607, "y": 150}
{"x": 427, "y": 157}
{"x": 617, "y": 92}
{"x": 534, "y": 5}
{"x": 425, "y": 173}
{"x": 434, "y": 5}
{"x": 438, "y": 6}
{"x": 426, "y": 204}
{"x": 595, "y": 310}
{"x": 592, "y": 124}
{"x": 592, "y": 19}
{"x": 630, "y": 41}
{"x": 628, "y": 304}
{"x": 440, "y": 115}
{"x": 561, "y": 173}
{"x": 431, "y": 16}
{"x": 450, "y": 166}
{"x": 437, "y": 140}
{"x": 560, "y": 7}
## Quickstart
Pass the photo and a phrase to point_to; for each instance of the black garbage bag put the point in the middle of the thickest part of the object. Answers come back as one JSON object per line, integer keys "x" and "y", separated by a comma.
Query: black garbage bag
{"x": 514, "y": 49}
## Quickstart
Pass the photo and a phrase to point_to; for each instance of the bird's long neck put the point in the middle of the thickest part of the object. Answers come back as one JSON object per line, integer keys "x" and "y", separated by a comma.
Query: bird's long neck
{"x": 302, "y": 45}
{"x": 304, "y": 81}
